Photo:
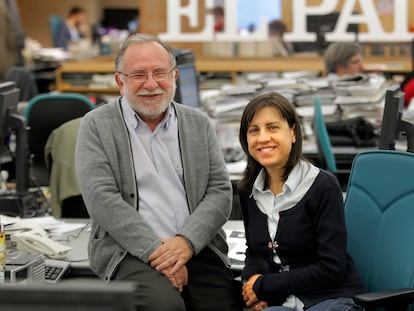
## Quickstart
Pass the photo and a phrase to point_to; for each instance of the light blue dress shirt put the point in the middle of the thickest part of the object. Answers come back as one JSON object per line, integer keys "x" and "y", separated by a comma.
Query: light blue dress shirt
{"x": 159, "y": 171}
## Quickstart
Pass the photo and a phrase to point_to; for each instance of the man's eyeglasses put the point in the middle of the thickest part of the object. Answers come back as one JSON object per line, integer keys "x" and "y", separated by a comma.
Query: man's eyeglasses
{"x": 143, "y": 77}
{"x": 357, "y": 61}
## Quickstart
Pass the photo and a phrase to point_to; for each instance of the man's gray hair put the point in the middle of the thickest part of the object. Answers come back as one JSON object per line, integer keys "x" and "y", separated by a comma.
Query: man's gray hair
{"x": 139, "y": 38}
{"x": 339, "y": 54}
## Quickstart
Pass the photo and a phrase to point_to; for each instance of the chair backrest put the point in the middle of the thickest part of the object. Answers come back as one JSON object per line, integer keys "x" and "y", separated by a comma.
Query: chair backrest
{"x": 44, "y": 113}
{"x": 322, "y": 137}
{"x": 379, "y": 211}
{"x": 54, "y": 23}
{"x": 25, "y": 81}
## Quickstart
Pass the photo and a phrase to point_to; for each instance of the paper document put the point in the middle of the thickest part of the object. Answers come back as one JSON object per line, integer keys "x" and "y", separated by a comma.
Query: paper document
{"x": 48, "y": 223}
{"x": 237, "y": 247}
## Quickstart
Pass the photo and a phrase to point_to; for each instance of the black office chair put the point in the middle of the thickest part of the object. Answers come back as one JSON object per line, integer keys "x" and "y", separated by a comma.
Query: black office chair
{"x": 46, "y": 112}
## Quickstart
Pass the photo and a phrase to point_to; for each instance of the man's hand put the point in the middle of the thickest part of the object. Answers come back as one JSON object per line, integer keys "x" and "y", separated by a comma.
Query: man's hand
{"x": 173, "y": 254}
{"x": 179, "y": 279}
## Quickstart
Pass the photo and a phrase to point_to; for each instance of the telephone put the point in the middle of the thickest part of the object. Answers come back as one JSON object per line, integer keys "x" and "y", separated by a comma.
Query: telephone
{"x": 37, "y": 241}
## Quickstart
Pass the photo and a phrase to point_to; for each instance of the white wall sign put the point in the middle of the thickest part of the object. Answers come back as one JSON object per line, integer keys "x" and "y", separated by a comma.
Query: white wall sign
{"x": 368, "y": 16}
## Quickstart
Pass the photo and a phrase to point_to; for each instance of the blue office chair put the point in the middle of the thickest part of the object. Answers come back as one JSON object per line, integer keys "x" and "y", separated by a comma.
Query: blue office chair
{"x": 379, "y": 211}
{"x": 322, "y": 138}
{"x": 55, "y": 22}
{"x": 44, "y": 113}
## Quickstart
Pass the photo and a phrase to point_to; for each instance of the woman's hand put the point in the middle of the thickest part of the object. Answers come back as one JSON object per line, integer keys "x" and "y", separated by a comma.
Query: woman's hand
{"x": 249, "y": 296}
{"x": 260, "y": 305}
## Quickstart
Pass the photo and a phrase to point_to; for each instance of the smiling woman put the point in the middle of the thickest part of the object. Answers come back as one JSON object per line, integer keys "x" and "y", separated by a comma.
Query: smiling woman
{"x": 300, "y": 208}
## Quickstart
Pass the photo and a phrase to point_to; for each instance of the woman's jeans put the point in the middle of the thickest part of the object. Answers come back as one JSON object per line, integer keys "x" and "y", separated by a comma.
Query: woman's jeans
{"x": 339, "y": 304}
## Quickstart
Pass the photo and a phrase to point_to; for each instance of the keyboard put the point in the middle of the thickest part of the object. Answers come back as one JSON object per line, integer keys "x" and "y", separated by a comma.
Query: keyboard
{"x": 55, "y": 269}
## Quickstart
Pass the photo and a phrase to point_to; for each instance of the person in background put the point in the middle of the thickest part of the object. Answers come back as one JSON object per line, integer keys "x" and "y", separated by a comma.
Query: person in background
{"x": 218, "y": 13}
{"x": 73, "y": 29}
{"x": 8, "y": 41}
{"x": 343, "y": 59}
{"x": 407, "y": 86}
{"x": 276, "y": 31}
{"x": 293, "y": 215}
{"x": 156, "y": 187}
{"x": 14, "y": 11}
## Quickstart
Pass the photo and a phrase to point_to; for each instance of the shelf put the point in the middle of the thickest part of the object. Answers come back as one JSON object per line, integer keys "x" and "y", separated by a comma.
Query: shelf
{"x": 77, "y": 89}
{"x": 77, "y": 76}
{"x": 234, "y": 66}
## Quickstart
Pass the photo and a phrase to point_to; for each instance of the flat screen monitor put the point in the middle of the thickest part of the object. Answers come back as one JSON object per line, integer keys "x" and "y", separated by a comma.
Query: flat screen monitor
{"x": 121, "y": 18}
{"x": 318, "y": 24}
{"x": 188, "y": 86}
{"x": 393, "y": 127}
{"x": 84, "y": 295}
{"x": 321, "y": 23}
{"x": 9, "y": 98}
{"x": 12, "y": 122}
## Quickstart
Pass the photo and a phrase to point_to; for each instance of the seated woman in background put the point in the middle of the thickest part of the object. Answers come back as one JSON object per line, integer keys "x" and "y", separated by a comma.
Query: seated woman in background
{"x": 343, "y": 59}
{"x": 293, "y": 215}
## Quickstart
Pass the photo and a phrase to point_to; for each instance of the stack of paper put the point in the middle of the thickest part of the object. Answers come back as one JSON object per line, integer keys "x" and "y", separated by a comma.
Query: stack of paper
{"x": 370, "y": 90}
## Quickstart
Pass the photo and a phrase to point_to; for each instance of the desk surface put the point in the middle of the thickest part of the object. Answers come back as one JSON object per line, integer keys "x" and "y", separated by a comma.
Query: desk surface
{"x": 78, "y": 255}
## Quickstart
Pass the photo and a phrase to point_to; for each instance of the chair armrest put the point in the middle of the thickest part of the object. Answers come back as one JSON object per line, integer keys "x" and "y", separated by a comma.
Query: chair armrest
{"x": 400, "y": 297}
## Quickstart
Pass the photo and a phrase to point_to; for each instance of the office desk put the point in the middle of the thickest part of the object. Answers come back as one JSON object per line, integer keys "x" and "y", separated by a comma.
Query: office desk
{"x": 45, "y": 75}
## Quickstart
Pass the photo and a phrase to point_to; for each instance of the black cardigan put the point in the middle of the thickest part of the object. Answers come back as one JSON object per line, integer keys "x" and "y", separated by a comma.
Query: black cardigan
{"x": 311, "y": 243}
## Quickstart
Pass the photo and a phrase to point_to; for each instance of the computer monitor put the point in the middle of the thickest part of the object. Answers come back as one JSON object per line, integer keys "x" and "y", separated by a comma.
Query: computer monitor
{"x": 321, "y": 24}
{"x": 80, "y": 295}
{"x": 9, "y": 98}
{"x": 121, "y": 18}
{"x": 12, "y": 122}
{"x": 187, "y": 92}
{"x": 393, "y": 126}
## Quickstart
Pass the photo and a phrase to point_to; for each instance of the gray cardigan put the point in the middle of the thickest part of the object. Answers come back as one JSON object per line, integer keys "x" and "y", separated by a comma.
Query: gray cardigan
{"x": 107, "y": 180}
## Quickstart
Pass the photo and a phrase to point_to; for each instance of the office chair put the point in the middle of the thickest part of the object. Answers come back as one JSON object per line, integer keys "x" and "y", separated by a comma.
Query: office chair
{"x": 54, "y": 25}
{"x": 25, "y": 82}
{"x": 323, "y": 141}
{"x": 379, "y": 213}
{"x": 44, "y": 113}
